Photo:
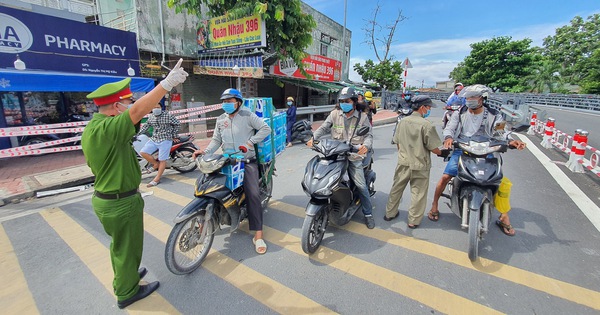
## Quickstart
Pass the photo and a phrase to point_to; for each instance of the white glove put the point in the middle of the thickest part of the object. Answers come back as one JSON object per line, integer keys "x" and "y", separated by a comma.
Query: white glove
{"x": 175, "y": 77}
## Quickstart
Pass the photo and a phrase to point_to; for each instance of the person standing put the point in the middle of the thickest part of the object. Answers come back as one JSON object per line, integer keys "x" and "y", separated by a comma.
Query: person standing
{"x": 415, "y": 138}
{"x": 107, "y": 146}
{"x": 290, "y": 119}
{"x": 165, "y": 128}
{"x": 370, "y": 106}
{"x": 238, "y": 127}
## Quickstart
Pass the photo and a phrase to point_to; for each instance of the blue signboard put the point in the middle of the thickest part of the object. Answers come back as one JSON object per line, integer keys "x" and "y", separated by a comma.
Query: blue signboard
{"x": 45, "y": 42}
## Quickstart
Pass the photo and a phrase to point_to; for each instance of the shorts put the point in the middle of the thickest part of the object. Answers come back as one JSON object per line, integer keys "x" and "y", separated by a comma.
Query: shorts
{"x": 452, "y": 166}
{"x": 163, "y": 147}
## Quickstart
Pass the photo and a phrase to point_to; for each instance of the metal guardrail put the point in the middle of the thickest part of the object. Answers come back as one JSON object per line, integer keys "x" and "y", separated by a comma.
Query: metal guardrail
{"x": 311, "y": 110}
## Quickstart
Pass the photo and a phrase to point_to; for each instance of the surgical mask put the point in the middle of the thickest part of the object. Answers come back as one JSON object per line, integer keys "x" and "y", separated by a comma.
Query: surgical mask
{"x": 156, "y": 111}
{"x": 427, "y": 113}
{"x": 229, "y": 108}
{"x": 346, "y": 107}
{"x": 289, "y": 103}
{"x": 473, "y": 104}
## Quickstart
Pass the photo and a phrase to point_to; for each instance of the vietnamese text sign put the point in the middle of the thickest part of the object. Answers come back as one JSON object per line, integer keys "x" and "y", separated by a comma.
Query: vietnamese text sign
{"x": 319, "y": 67}
{"x": 45, "y": 42}
{"x": 220, "y": 33}
{"x": 249, "y": 67}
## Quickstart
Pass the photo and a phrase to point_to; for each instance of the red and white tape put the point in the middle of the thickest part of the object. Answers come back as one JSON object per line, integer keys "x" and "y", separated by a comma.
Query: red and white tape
{"x": 41, "y": 127}
{"x": 40, "y": 145}
{"x": 185, "y": 110}
{"x": 195, "y": 132}
{"x": 40, "y": 132}
{"x": 197, "y": 120}
{"x": 40, "y": 151}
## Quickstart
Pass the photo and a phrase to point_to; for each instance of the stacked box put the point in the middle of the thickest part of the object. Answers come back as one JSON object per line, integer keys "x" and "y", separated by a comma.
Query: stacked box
{"x": 265, "y": 150}
{"x": 235, "y": 175}
{"x": 280, "y": 123}
{"x": 250, "y": 103}
{"x": 280, "y": 141}
{"x": 263, "y": 107}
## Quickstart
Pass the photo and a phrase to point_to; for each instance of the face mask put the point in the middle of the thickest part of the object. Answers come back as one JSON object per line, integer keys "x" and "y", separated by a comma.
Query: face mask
{"x": 407, "y": 98}
{"x": 346, "y": 107}
{"x": 427, "y": 114}
{"x": 289, "y": 103}
{"x": 472, "y": 104}
{"x": 156, "y": 111}
{"x": 129, "y": 106}
{"x": 229, "y": 108}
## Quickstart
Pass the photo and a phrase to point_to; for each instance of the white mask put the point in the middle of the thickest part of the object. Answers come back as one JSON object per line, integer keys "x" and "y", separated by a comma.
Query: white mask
{"x": 156, "y": 111}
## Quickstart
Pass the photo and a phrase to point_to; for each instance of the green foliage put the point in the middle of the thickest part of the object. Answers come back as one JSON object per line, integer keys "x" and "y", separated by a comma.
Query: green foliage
{"x": 591, "y": 83}
{"x": 289, "y": 30}
{"x": 386, "y": 74}
{"x": 500, "y": 63}
{"x": 544, "y": 76}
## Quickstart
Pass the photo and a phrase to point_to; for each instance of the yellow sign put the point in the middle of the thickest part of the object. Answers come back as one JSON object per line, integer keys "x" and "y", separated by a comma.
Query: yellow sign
{"x": 244, "y": 72}
{"x": 221, "y": 33}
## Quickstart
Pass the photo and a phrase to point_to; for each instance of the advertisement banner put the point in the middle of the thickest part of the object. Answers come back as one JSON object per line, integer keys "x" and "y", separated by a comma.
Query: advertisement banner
{"x": 319, "y": 67}
{"x": 249, "y": 67}
{"x": 45, "y": 42}
{"x": 220, "y": 34}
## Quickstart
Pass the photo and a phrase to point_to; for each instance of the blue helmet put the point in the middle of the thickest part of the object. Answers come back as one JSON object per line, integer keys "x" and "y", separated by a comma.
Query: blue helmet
{"x": 229, "y": 93}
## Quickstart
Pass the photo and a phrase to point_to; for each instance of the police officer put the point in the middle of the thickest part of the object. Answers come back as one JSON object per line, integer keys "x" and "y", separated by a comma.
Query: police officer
{"x": 106, "y": 144}
{"x": 415, "y": 138}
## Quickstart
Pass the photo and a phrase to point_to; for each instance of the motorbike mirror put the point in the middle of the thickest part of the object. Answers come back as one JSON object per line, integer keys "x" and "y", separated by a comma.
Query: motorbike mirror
{"x": 363, "y": 130}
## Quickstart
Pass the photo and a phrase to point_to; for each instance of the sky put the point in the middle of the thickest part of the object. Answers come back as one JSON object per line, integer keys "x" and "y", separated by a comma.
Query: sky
{"x": 436, "y": 34}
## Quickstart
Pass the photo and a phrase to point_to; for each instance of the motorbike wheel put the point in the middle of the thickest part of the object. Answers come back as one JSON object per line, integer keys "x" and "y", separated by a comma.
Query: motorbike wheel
{"x": 474, "y": 232}
{"x": 313, "y": 230}
{"x": 265, "y": 193}
{"x": 184, "y": 155}
{"x": 188, "y": 244}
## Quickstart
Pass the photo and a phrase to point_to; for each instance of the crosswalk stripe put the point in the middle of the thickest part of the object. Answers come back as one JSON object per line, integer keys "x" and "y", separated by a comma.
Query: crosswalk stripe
{"x": 529, "y": 279}
{"x": 432, "y": 296}
{"x": 280, "y": 299}
{"x": 97, "y": 259}
{"x": 15, "y": 296}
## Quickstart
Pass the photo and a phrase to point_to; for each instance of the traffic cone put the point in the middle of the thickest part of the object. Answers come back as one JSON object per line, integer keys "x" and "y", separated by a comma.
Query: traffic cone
{"x": 531, "y": 130}
{"x": 573, "y": 153}
{"x": 502, "y": 196}
{"x": 548, "y": 133}
{"x": 576, "y": 167}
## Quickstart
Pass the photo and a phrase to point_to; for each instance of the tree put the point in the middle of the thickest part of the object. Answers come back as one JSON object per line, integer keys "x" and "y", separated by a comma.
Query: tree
{"x": 387, "y": 73}
{"x": 500, "y": 63}
{"x": 289, "y": 30}
{"x": 572, "y": 45}
{"x": 591, "y": 83}
{"x": 545, "y": 77}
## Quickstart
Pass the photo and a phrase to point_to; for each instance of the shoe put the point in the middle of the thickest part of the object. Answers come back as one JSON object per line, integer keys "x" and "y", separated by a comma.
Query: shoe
{"x": 392, "y": 218}
{"x": 142, "y": 272}
{"x": 370, "y": 221}
{"x": 259, "y": 246}
{"x": 152, "y": 184}
{"x": 144, "y": 291}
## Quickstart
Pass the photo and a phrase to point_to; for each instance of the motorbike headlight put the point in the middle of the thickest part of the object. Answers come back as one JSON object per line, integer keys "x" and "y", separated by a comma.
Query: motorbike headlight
{"x": 210, "y": 166}
{"x": 479, "y": 148}
{"x": 326, "y": 191}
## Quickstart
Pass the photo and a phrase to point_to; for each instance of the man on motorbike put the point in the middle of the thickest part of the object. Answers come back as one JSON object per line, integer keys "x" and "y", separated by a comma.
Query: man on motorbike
{"x": 342, "y": 124}
{"x": 405, "y": 101}
{"x": 416, "y": 137}
{"x": 238, "y": 127}
{"x": 474, "y": 118}
{"x": 164, "y": 134}
{"x": 454, "y": 96}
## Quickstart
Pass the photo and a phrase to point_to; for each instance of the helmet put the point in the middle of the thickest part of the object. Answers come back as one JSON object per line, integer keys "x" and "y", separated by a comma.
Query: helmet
{"x": 229, "y": 93}
{"x": 457, "y": 85}
{"x": 421, "y": 100}
{"x": 347, "y": 93}
{"x": 408, "y": 92}
{"x": 477, "y": 90}
{"x": 290, "y": 98}
{"x": 369, "y": 95}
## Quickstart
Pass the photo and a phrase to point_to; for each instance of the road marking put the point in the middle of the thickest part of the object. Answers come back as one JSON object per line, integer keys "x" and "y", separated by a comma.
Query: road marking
{"x": 529, "y": 279}
{"x": 96, "y": 257}
{"x": 587, "y": 206}
{"x": 422, "y": 292}
{"x": 15, "y": 296}
{"x": 271, "y": 293}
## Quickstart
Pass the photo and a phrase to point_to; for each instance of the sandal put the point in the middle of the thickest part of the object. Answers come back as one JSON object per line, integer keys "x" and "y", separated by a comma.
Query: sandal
{"x": 505, "y": 228}
{"x": 259, "y": 246}
{"x": 152, "y": 184}
{"x": 433, "y": 215}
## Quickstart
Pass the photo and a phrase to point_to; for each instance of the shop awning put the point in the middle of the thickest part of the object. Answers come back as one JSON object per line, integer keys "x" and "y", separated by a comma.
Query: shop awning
{"x": 49, "y": 81}
{"x": 314, "y": 85}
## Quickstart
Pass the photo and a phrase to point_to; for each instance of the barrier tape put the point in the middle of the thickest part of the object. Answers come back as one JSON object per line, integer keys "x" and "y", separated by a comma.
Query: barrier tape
{"x": 195, "y": 132}
{"x": 183, "y": 110}
{"x": 196, "y": 120}
{"x": 199, "y": 111}
{"x": 40, "y": 151}
{"x": 40, "y": 145}
{"x": 40, "y": 132}
{"x": 40, "y": 127}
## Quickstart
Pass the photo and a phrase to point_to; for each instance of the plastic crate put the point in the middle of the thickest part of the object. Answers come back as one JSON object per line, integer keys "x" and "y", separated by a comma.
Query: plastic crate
{"x": 235, "y": 175}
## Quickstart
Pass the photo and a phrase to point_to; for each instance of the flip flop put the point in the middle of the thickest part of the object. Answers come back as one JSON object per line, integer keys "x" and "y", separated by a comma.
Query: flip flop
{"x": 433, "y": 215}
{"x": 259, "y": 243}
{"x": 152, "y": 184}
{"x": 505, "y": 227}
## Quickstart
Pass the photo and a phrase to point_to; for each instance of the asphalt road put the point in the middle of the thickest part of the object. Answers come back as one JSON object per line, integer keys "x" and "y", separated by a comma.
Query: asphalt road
{"x": 55, "y": 254}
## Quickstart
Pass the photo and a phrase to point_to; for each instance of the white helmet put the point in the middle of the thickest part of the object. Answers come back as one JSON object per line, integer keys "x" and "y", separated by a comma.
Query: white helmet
{"x": 476, "y": 90}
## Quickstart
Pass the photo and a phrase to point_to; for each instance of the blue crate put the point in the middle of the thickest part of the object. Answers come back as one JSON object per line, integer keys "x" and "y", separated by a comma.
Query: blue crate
{"x": 234, "y": 174}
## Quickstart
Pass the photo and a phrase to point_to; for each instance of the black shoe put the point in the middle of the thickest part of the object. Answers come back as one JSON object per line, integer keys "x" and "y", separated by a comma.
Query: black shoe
{"x": 392, "y": 218}
{"x": 370, "y": 221}
{"x": 142, "y": 272}
{"x": 144, "y": 291}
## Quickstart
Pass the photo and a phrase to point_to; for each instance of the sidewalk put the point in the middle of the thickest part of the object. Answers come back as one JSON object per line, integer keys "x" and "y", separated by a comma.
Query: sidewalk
{"x": 22, "y": 177}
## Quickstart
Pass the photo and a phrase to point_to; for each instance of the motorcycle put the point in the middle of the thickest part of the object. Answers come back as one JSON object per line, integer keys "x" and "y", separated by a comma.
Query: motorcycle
{"x": 471, "y": 192}
{"x": 302, "y": 130}
{"x": 215, "y": 203}
{"x": 180, "y": 155}
{"x": 333, "y": 196}
{"x": 403, "y": 111}
{"x": 450, "y": 109}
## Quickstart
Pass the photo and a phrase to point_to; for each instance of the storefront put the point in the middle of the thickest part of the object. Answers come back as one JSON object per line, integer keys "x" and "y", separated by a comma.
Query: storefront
{"x": 49, "y": 64}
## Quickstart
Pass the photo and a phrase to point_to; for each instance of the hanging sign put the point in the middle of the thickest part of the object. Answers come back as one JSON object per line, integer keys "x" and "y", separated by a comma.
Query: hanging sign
{"x": 319, "y": 67}
{"x": 221, "y": 33}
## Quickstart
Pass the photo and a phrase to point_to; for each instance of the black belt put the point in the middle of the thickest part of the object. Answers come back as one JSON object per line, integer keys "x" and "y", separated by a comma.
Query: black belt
{"x": 115, "y": 196}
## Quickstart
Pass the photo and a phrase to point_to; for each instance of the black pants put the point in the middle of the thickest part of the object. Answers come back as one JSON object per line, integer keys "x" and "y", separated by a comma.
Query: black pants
{"x": 251, "y": 187}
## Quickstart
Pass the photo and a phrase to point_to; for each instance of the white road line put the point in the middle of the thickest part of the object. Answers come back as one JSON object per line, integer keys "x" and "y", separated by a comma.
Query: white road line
{"x": 589, "y": 208}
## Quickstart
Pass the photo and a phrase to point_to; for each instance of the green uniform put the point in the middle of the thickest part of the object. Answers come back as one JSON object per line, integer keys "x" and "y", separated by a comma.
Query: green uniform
{"x": 415, "y": 137}
{"x": 106, "y": 143}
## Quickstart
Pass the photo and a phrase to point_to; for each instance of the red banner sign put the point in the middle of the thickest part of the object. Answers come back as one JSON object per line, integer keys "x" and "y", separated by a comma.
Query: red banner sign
{"x": 319, "y": 67}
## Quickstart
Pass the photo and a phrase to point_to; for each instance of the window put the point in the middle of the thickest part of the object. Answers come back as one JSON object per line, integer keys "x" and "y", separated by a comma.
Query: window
{"x": 324, "y": 49}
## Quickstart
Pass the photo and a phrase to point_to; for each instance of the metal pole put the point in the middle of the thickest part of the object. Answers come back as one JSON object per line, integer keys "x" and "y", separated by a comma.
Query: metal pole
{"x": 344, "y": 73}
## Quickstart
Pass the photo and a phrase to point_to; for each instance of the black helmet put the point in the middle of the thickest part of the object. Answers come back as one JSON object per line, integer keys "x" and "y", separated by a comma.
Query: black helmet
{"x": 421, "y": 100}
{"x": 347, "y": 93}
